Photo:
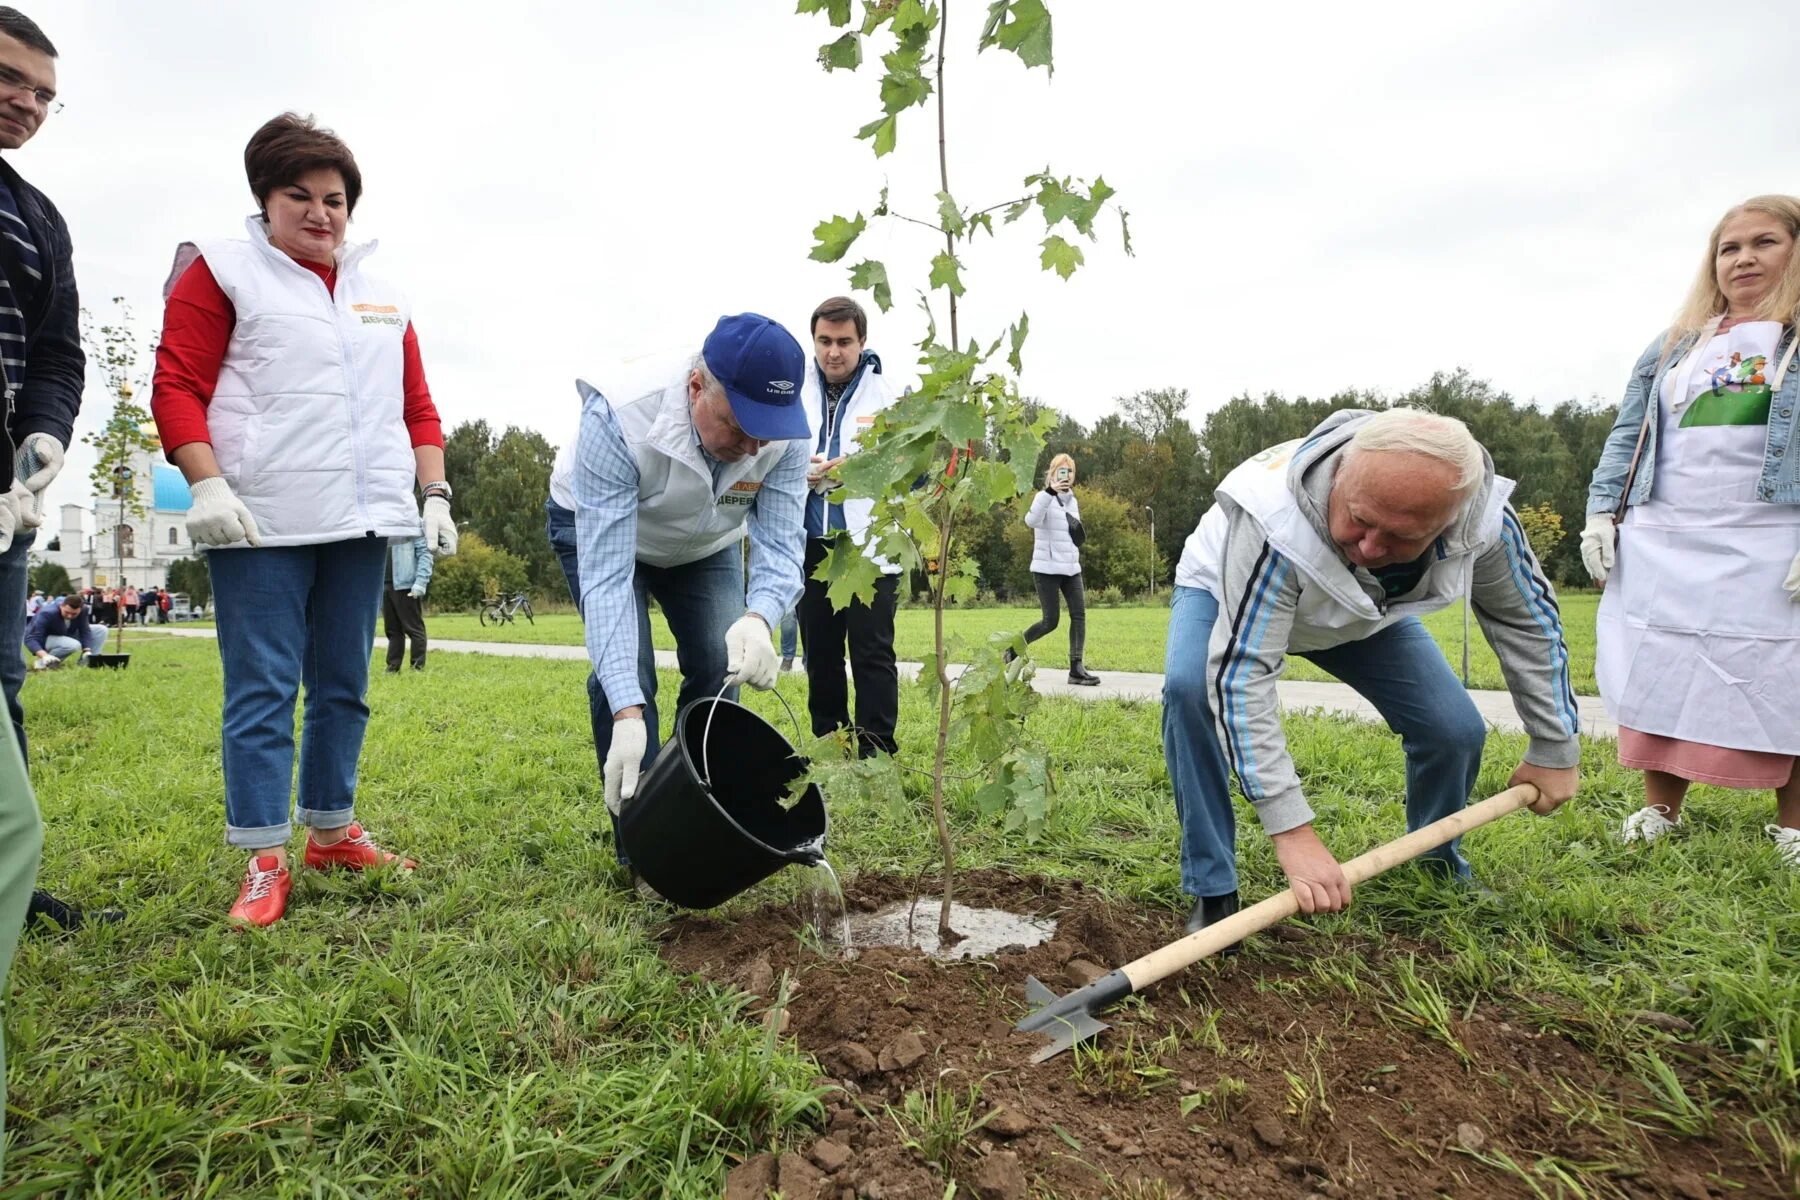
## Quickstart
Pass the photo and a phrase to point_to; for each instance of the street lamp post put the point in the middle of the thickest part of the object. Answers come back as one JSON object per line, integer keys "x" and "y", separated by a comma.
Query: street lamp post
{"x": 1152, "y": 513}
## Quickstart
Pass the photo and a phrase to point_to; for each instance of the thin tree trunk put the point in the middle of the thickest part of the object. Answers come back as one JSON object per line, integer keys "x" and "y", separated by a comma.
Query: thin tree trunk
{"x": 943, "y": 158}
{"x": 946, "y": 935}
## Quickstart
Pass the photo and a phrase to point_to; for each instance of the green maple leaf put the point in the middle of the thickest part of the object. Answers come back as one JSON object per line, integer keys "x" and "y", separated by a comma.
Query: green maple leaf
{"x": 884, "y": 130}
{"x": 836, "y": 11}
{"x": 910, "y": 14}
{"x": 1125, "y": 230}
{"x": 836, "y": 236}
{"x": 981, "y": 221}
{"x": 1060, "y": 256}
{"x": 871, "y": 276}
{"x": 1021, "y": 26}
{"x": 847, "y": 572}
{"x": 843, "y": 54}
{"x": 1019, "y": 333}
{"x": 902, "y": 87}
{"x": 1015, "y": 210}
{"x": 881, "y": 208}
{"x": 950, "y": 218}
{"x": 944, "y": 268}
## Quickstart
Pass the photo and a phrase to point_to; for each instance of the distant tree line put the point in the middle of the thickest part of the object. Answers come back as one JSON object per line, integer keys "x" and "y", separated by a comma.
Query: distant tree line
{"x": 1144, "y": 456}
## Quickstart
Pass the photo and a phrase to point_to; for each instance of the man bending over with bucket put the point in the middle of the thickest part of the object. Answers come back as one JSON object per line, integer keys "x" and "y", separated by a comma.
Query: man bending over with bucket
{"x": 669, "y": 467}
{"x": 1332, "y": 547}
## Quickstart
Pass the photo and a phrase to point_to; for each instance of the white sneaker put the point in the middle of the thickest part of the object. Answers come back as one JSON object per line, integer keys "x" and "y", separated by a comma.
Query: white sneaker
{"x": 1647, "y": 824}
{"x": 1787, "y": 843}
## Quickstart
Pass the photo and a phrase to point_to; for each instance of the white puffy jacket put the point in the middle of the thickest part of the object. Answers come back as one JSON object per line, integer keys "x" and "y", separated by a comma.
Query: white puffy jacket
{"x": 855, "y": 413}
{"x": 1053, "y": 551}
{"x": 307, "y": 417}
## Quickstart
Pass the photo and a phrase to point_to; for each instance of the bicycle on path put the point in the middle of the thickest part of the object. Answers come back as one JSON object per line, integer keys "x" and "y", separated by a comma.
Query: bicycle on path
{"x": 500, "y": 611}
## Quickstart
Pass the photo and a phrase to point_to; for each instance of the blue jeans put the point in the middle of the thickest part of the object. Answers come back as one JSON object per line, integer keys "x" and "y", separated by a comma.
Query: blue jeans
{"x": 790, "y": 635}
{"x": 1399, "y": 670}
{"x": 700, "y": 600}
{"x": 15, "y": 586}
{"x": 293, "y": 616}
{"x": 62, "y": 648}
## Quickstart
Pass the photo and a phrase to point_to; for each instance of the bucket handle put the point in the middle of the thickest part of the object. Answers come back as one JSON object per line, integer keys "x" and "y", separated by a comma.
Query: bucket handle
{"x": 706, "y": 731}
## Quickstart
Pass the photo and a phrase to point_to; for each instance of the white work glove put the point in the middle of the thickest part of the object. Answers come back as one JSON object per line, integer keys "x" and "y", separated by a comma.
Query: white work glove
{"x": 624, "y": 759}
{"x": 1792, "y": 583}
{"x": 1597, "y": 542}
{"x": 750, "y": 654}
{"x": 40, "y": 457}
{"x": 440, "y": 530}
{"x": 217, "y": 517}
{"x": 9, "y": 520}
{"x": 417, "y": 591}
{"x": 818, "y": 474}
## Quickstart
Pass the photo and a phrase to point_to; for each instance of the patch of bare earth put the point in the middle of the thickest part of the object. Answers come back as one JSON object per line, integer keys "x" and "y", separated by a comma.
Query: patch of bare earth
{"x": 1292, "y": 1087}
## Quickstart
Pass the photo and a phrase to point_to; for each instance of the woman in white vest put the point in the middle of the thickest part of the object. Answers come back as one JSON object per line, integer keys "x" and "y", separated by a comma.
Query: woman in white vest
{"x": 1055, "y": 520}
{"x": 290, "y": 392}
{"x": 1694, "y": 531}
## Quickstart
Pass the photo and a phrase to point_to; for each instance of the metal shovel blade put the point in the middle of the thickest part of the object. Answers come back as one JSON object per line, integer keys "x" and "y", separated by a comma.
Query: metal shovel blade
{"x": 1065, "y": 1019}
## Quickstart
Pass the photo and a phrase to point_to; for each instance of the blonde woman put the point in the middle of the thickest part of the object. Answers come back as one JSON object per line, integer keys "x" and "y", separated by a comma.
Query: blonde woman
{"x": 1055, "y": 520}
{"x": 1694, "y": 531}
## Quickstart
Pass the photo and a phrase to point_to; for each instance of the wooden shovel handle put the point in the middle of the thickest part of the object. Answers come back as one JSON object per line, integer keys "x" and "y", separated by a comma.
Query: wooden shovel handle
{"x": 1161, "y": 963}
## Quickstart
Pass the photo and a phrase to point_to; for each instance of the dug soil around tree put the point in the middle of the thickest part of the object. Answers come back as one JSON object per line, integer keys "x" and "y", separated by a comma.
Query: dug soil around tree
{"x": 1252, "y": 1077}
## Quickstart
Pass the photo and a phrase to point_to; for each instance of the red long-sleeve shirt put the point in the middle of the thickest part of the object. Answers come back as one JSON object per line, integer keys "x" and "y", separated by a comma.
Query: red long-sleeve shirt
{"x": 197, "y": 325}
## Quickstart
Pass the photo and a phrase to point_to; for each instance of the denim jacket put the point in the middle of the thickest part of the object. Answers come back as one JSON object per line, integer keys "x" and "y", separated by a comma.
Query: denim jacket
{"x": 1780, "y": 480}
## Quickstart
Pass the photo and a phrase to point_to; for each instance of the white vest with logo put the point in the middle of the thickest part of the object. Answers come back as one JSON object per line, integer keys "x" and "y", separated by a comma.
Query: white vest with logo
{"x": 1333, "y": 608}
{"x": 855, "y": 413}
{"x": 307, "y": 417}
{"x": 682, "y": 516}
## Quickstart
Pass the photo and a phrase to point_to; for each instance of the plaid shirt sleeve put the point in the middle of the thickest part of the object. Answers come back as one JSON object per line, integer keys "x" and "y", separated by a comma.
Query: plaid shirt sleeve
{"x": 778, "y": 537}
{"x": 605, "y": 484}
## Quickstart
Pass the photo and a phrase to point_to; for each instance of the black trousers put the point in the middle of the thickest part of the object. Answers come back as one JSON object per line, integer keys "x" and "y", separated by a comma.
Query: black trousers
{"x": 1069, "y": 587}
{"x": 403, "y": 617}
{"x": 869, "y": 631}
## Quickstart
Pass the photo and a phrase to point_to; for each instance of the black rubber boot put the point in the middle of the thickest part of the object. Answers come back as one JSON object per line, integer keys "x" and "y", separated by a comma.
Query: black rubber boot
{"x": 1210, "y": 910}
{"x": 1078, "y": 674}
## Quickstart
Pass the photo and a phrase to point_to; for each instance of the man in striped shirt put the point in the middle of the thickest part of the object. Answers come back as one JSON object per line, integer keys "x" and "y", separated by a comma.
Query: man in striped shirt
{"x": 1331, "y": 547}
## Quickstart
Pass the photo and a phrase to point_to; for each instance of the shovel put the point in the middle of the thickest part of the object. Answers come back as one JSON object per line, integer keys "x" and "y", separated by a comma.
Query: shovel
{"x": 1070, "y": 1019}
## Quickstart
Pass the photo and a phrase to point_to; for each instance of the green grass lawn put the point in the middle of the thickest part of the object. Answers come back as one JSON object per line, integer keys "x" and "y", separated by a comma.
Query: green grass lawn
{"x": 1127, "y": 638}
{"x": 500, "y": 1025}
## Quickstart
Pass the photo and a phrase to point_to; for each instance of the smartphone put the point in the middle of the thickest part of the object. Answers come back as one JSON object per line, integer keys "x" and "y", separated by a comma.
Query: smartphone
{"x": 1062, "y": 474}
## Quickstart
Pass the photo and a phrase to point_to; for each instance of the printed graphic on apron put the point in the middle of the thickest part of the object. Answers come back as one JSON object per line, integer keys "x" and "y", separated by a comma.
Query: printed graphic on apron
{"x": 1739, "y": 395}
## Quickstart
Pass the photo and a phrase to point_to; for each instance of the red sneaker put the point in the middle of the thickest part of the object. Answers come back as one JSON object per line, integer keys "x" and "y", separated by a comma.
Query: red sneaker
{"x": 263, "y": 898}
{"x": 357, "y": 852}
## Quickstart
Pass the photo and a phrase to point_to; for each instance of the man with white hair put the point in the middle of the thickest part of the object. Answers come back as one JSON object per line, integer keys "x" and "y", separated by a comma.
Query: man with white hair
{"x": 1331, "y": 547}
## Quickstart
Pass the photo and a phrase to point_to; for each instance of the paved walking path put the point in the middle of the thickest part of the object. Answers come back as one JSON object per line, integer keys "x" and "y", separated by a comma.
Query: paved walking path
{"x": 1496, "y": 707}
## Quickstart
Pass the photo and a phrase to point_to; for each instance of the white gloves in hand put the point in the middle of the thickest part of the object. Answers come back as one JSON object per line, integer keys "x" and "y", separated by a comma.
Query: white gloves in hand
{"x": 440, "y": 530}
{"x": 818, "y": 476}
{"x": 40, "y": 457}
{"x": 624, "y": 759}
{"x": 750, "y": 654}
{"x": 417, "y": 591}
{"x": 1792, "y": 583}
{"x": 1597, "y": 543}
{"x": 9, "y": 519}
{"x": 217, "y": 517}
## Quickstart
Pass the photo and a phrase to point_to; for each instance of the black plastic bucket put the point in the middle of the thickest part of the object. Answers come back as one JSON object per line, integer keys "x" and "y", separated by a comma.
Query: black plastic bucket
{"x": 700, "y": 832}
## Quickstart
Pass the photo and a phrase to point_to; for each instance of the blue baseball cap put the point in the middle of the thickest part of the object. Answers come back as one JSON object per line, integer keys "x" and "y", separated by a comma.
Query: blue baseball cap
{"x": 761, "y": 367}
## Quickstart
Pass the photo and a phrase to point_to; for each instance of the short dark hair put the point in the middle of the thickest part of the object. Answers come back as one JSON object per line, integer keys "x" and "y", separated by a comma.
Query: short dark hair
{"x": 70, "y": 601}
{"x": 16, "y": 25}
{"x": 842, "y": 308}
{"x": 289, "y": 146}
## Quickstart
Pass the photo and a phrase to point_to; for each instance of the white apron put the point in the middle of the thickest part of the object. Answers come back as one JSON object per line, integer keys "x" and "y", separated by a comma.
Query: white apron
{"x": 1697, "y": 640}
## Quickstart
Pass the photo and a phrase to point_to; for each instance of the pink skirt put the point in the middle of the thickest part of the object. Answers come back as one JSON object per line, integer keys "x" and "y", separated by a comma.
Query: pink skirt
{"x": 1701, "y": 763}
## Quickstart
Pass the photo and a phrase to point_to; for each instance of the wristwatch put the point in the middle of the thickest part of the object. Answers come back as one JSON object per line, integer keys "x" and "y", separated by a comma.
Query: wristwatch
{"x": 438, "y": 487}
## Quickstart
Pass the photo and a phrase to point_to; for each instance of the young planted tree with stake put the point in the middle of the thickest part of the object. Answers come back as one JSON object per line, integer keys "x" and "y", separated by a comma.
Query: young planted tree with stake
{"x": 964, "y": 441}
{"x": 126, "y": 434}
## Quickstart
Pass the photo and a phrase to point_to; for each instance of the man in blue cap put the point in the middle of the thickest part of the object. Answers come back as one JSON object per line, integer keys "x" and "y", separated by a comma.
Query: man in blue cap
{"x": 672, "y": 462}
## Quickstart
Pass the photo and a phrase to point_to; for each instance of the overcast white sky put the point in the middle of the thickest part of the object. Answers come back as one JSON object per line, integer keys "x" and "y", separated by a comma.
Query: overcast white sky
{"x": 1323, "y": 195}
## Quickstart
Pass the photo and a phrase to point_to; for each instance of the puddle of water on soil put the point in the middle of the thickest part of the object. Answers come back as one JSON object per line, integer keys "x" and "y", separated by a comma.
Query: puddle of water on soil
{"x": 914, "y": 923}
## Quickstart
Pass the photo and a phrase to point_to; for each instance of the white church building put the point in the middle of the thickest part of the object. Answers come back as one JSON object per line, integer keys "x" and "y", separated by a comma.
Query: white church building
{"x": 99, "y": 548}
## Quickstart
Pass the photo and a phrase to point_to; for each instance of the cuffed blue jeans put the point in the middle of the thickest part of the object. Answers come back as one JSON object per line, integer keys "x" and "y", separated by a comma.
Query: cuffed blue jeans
{"x": 15, "y": 576}
{"x": 1399, "y": 670}
{"x": 291, "y": 617}
{"x": 700, "y": 600}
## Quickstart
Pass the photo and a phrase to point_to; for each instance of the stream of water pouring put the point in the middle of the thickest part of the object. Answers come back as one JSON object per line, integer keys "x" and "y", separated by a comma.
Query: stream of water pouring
{"x": 827, "y": 902}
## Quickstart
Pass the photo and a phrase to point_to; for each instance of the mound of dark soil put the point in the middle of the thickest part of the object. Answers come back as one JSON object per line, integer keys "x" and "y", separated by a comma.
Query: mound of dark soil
{"x": 1291, "y": 1087}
